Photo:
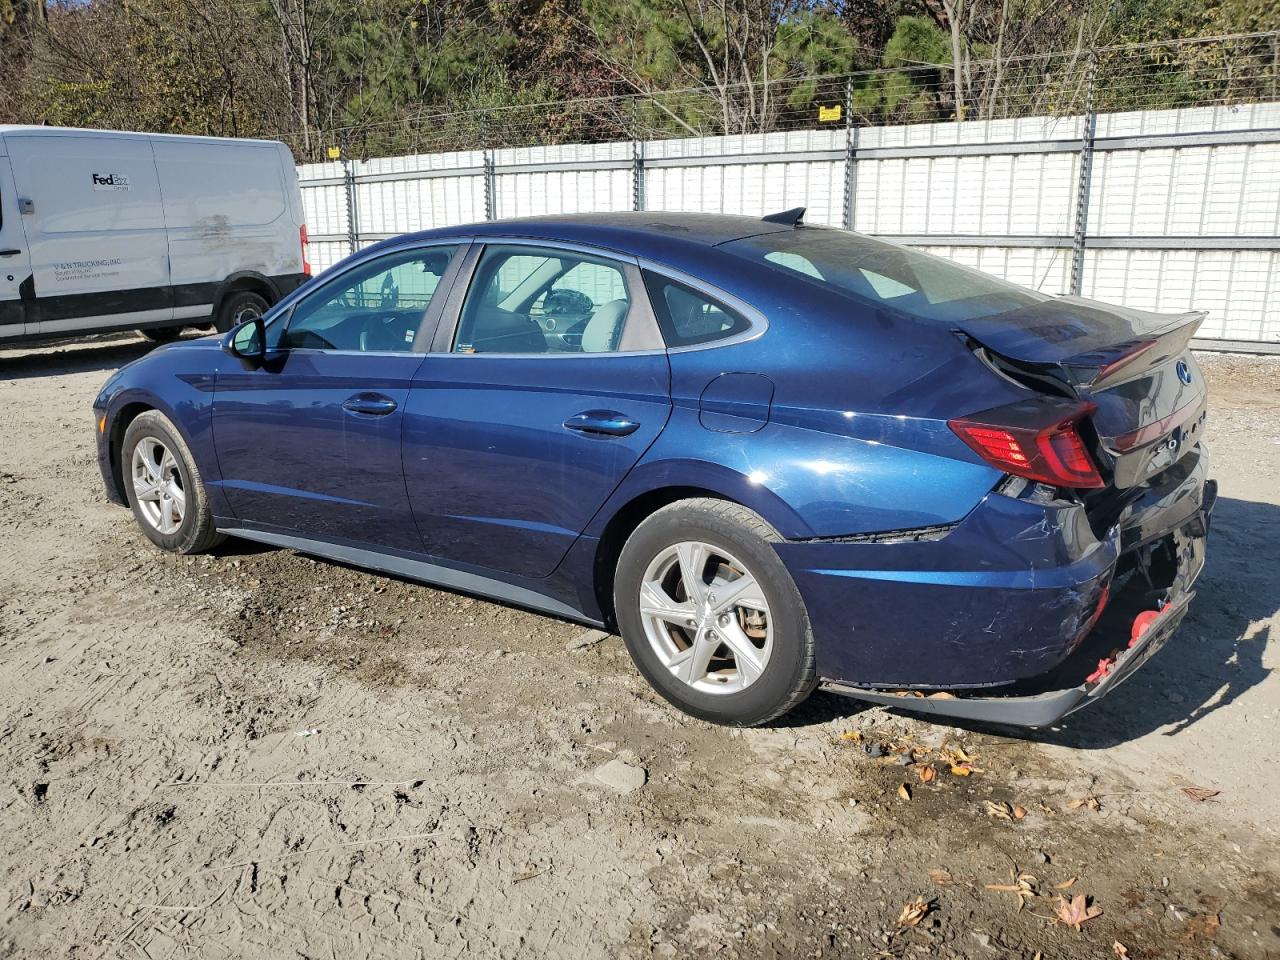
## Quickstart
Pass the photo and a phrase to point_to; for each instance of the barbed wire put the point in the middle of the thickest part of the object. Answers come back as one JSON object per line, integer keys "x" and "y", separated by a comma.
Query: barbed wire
{"x": 1227, "y": 70}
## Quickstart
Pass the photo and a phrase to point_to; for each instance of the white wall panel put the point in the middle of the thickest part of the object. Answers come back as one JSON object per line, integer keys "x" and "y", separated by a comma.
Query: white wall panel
{"x": 1199, "y": 191}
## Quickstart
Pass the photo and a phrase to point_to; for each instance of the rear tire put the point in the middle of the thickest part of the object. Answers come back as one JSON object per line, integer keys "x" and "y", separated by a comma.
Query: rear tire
{"x": 164, "y": 487}
{"x": 238, "y": 306}
{"x": 689, "y": 637}
{"x": 162, "y": 334}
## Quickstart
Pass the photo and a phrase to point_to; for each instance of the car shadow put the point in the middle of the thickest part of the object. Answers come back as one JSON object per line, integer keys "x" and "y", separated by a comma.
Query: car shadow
{"x": 52, "y": 358}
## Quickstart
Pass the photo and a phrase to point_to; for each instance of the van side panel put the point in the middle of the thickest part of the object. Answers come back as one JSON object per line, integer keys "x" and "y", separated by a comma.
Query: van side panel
{"x": 228, "y": 211}
{"x": 97, "y": 242}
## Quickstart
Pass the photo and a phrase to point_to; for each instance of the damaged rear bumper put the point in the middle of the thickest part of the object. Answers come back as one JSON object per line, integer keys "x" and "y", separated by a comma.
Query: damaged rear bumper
{"x": 1021, "y": 613}
{"x": 1041, "y": 709}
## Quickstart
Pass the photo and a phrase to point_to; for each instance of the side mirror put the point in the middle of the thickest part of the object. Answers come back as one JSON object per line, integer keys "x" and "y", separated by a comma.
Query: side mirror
{"x": 248, "y": 341}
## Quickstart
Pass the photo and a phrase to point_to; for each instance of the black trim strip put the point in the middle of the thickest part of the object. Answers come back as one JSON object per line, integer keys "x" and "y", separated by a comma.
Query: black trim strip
{"x": 103, "y": 303}
{"x": 12, "y": 313}
{"x": 32, "y": 309}
{"x": 195, "y": 294}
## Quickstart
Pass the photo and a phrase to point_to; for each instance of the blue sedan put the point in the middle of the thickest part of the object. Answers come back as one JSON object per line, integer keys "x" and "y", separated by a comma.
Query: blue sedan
{"x": 770, "y": 455}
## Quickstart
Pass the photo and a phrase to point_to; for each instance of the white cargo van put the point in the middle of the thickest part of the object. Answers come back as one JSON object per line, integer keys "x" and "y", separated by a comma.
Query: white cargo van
{"x": 101, "y": 230}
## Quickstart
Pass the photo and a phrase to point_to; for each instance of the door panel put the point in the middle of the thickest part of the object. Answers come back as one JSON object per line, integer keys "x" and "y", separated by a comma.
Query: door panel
{"x": 496, "y": 478}
{"x": 311, "y": 443}
{"x": 15, "y": 264}
{"x": 97, "y": 233}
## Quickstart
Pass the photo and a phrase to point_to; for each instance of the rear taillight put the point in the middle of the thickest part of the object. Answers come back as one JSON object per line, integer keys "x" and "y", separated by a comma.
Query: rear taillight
{"x": 1038, "y": 439}
{"x": 302, "y": 239}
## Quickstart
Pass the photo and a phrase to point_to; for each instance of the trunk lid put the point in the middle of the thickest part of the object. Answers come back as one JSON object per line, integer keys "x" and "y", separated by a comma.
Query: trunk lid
{"x": 1135, "y": 367}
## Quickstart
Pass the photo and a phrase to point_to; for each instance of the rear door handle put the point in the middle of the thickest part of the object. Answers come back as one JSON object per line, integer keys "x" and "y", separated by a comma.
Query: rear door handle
{"x": 370, "y": 404}
{"x": 9, "y": 253}
{"x": 608, "y": 423}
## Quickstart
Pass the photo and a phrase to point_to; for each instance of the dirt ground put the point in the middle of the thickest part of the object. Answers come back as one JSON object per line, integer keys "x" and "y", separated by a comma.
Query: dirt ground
{"x": 256, "y": 754}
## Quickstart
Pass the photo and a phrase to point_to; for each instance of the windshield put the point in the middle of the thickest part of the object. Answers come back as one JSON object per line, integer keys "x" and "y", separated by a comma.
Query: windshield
{"x": 886, "y": 274}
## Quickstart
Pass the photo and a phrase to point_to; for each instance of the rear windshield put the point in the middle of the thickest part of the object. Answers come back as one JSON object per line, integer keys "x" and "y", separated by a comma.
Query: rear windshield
{"x": 886, "y": 274}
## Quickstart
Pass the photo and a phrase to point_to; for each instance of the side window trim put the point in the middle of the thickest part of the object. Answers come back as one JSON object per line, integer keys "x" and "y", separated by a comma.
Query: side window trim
{"x": 641, "y": 334}
{"x": 757, "y": 323}
{"x": 431, "y": 316}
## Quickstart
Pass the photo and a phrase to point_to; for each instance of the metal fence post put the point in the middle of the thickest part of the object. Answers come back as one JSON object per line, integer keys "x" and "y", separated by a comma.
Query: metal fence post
{"x": 637, "y": 175}
{"x": 490, "y": 187}
{"x": 353, "y": 210}
{"x": 850, "y": 157}
{"x": 1084, "y": 182}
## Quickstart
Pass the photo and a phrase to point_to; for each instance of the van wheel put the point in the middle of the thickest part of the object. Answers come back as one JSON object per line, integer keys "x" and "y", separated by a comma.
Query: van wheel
{"x": 162, "y": 334}
{"x": 237, "y": 307}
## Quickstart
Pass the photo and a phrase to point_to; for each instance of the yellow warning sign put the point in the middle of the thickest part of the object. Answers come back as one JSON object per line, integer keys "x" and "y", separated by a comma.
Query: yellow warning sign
{"x": 335, "y": 153}
{"x": 830, "y": 114}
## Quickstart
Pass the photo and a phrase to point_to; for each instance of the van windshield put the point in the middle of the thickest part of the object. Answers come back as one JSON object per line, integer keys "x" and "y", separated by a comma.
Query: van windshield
{"x": 887, "y": 274}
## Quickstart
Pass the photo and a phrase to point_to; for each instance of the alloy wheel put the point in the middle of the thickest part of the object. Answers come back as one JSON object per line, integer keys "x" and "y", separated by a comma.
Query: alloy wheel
{"x": 157, "y": 485}
{"x": 706, "y": 617}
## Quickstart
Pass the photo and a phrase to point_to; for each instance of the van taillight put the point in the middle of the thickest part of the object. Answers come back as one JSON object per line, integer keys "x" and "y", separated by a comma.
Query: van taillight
{"x": 302, "y": 238}
{"x": 1038, "y": 439}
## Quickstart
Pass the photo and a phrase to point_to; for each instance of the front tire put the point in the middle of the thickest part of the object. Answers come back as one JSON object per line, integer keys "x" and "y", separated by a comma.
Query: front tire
{"x": 710, "y": 615}
{"x": 237, "y": 307}
{"x": 164, "y": 487}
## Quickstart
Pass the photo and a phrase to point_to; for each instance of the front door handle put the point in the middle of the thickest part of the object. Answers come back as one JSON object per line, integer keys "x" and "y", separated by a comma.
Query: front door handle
{"x": 9, "y": 253}
{"x": 370, "y": 404}
{"x": 607, "y": 423}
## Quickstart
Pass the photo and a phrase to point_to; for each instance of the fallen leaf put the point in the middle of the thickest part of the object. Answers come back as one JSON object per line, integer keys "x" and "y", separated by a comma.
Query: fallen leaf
{"x": 939, "y": 876}
{"x": 1206, "y": 925}
{"x": 1091, "y": 802}
{"x": 927, "y": 774}
{"x": 1120, "y": 950}
{"x": 1065, "y": 883}
{"x": 913, "y": 911}
{"x": 1200, "y": 794}
{"x": 904, "y": 791}
{"x": 1019, "y": 811}
{"x": 999, "y": 809}
{"x": 852, "y": 736}
{"x": 1023, "y": 885}
{"x": 1077, "y": 910}
{"x": 961, "y": 769}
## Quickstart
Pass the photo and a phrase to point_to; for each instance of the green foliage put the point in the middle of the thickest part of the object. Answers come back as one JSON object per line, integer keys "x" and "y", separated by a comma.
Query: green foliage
{"x": 396, "y": 76}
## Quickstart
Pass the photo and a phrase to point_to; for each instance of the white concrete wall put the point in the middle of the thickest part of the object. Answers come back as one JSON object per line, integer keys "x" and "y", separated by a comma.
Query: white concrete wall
{"x": 1002, "y": 202}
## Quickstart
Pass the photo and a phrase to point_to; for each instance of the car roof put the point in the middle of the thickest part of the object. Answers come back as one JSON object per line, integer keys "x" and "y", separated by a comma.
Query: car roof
{"x": 678, "y": 238}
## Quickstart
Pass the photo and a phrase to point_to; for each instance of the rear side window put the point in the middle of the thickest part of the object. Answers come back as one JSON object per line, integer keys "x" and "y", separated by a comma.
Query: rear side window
{"x": 916, "y": 283}
{"x": 689, "y": 317}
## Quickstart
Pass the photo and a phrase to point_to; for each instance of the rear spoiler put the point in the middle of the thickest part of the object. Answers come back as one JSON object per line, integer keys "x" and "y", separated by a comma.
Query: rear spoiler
{"x": 1108, "y": 366}
{"x": 1084, "y": 342}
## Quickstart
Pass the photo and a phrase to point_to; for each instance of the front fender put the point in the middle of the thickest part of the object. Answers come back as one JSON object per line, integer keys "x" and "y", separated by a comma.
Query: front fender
{"x": 168, "y": 381}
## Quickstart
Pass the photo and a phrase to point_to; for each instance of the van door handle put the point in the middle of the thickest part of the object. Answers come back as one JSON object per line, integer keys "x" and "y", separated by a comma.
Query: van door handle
{"x": 369, "y": 404}
{"x": 608, "y": 423}
{"x": 9, "y": 253}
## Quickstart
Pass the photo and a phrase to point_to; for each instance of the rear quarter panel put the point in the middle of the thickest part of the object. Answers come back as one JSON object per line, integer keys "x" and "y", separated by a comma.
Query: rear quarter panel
{"x": 854, "y": 439}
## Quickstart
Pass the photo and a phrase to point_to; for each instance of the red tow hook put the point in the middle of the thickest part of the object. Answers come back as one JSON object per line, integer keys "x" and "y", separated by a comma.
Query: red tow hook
{"x": 1141, "y": 623}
